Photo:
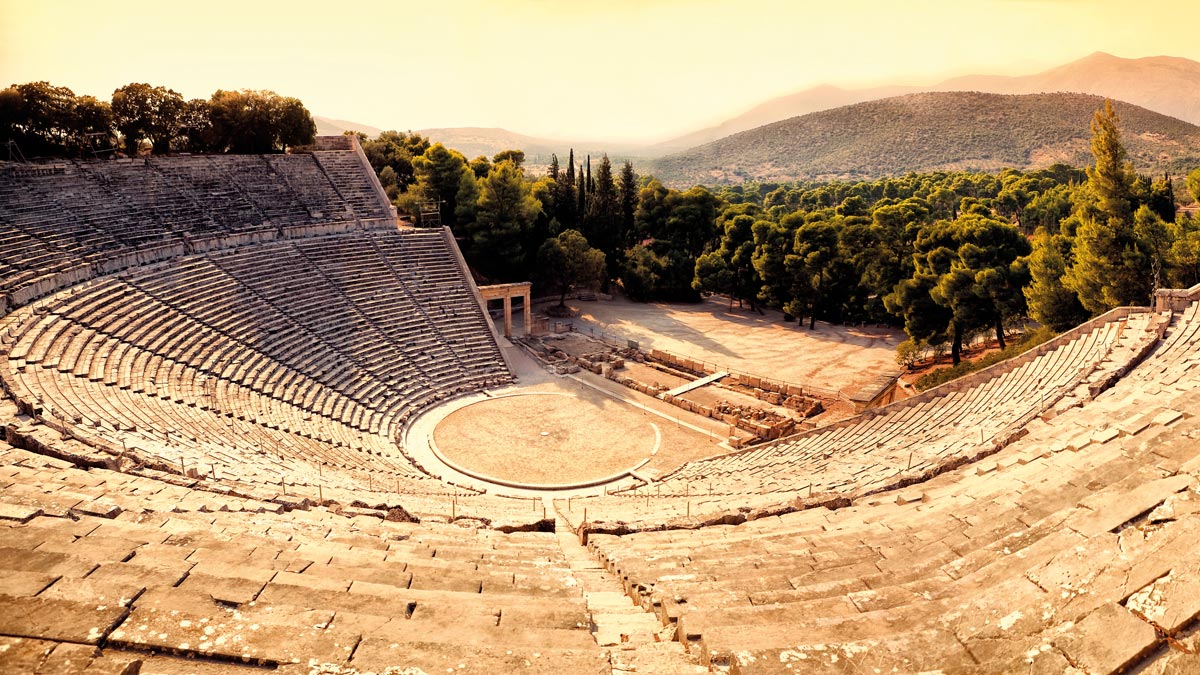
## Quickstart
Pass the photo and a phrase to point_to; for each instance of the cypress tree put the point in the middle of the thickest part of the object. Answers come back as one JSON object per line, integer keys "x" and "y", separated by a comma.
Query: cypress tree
{"x": 582, "y": 194}
{"x": 566, "y": 200}
{"x": 628, "y": 194}
{"x": 602, "y": 221}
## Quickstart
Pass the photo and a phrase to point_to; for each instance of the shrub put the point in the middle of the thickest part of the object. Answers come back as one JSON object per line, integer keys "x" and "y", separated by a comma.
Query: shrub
{"x": 908, "y": 353}
{"x": 941, "y": 376}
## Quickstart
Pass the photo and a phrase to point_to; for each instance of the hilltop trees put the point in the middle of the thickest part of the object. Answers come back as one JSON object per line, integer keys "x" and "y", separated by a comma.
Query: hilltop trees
{"x": 391, "y": 155}
{"x": 142, "y": 112}
{"x": 45, "y": 120}
{"x": 1193, "y": 183}
{"x": 948, "y": 255}
{"x": 249, "y": 121}
{"x": 439, "y": 172}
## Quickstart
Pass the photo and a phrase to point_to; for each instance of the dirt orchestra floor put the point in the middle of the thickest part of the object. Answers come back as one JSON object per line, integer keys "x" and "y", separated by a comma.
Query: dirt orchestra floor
{"x": 831, "y": 357}
{"x": 559, "y": 432}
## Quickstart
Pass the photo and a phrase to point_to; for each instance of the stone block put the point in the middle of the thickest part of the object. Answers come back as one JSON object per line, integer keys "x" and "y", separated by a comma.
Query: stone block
{"x": 1167, "y": 417}
{"x": 1108, "y": 640}
{"x": 60, "y": 620}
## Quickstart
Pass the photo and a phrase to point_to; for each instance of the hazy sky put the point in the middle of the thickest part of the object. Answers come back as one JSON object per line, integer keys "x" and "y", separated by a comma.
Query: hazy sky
{"x": 578, "y": 69}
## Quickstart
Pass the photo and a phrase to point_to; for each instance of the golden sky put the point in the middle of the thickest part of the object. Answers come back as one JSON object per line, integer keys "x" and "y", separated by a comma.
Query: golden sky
{"x": 576, "y": 69}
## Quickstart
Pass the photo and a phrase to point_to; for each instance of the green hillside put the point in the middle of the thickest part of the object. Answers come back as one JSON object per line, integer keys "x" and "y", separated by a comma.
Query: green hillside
{"x": 932, "y": 131}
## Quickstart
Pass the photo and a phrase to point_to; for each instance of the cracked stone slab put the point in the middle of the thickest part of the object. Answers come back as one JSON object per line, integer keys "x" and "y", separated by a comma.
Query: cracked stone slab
{"x": 924, "y": 651}
{"x": 1108, "y": 640}
{"x": 1029, "y": 656}
{"x": 1120, "y": 507}
{"x": 193, "y": 626}
{"x": 378, "y": 654}
{"x": 1170, "y": 602}
{"x": 60, "y": 620}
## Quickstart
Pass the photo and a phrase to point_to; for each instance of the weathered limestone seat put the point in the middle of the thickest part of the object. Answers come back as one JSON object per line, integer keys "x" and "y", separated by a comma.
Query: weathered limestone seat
{"x": 197, "y": 354}
{"x": 1075, "y": 545}
{"x": 906, "y": 442}
{"x": 159, "y": 574}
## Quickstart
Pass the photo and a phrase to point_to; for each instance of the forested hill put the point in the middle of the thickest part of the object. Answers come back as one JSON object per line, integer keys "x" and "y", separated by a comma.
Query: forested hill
{"x": 928, "y": 132}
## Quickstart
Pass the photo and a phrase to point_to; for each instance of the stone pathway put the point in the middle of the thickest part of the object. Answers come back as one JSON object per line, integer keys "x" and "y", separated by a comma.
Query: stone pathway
{"x": 635, "y": 640}
{"x": 696, "y": 384}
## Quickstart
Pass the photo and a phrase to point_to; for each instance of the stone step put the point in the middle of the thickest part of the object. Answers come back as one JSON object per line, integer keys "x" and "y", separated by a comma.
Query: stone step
{"x": 634, "y": 640}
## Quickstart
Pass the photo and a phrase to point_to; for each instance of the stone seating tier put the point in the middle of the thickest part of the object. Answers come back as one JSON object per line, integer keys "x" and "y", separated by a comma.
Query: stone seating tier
{"x": 289, "y": 362}
{"x": 108, "y": 570}
{"x": 1073, "y": 546}
{"x": 81, "y": 217}
{"x": 907, "y": 442}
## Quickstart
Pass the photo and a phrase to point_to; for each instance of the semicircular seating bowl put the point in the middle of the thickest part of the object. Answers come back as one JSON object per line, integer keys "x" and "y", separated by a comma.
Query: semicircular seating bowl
{"x": 249, "y": 336}
{"x": 266, "y": 317}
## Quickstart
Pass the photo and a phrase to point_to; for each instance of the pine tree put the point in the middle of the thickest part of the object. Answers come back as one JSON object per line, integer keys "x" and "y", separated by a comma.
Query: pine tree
{"x": 1111, "y": 265}
{"x": 1112, "y": 177}
{"x": 439, "y": 175}
{"x": 1050, "y": 303}
{"x": 505, "y": 212}
{"x": 581, "y": 194}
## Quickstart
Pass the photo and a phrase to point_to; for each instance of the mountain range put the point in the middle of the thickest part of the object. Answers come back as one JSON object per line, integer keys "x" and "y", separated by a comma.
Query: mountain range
{"x": 932, "y": 131}
{"x": 1166, "y": 85}
{"x": 330, "y": 127}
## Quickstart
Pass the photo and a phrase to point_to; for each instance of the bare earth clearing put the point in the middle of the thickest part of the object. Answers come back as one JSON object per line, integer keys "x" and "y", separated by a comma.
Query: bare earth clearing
{"x": 582, "y": 433}
{"x": 831, "y": 357}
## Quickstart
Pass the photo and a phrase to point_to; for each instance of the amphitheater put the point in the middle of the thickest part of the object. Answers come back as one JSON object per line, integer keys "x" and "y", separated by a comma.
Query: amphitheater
{"x": 216, "y": 370}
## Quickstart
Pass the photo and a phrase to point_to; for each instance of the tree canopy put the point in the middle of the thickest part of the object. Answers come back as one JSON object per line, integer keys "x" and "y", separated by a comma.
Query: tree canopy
{"x": 948, "y": 255}
{"x": 49, "y": 121}
{"x": 567, "y": 263}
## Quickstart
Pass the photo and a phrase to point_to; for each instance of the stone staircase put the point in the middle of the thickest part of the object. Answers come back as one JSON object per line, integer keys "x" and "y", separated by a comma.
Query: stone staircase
{"x": 636, "y": 641}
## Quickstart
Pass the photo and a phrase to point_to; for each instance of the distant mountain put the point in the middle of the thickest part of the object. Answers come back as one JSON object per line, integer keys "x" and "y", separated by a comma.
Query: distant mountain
{"x": 475, "y": 141}
{"x": 928, "y": 132}
{"x": 1164, "y": 84}
{"x": 331, "y": 127}
{"x": 823, "y": 97}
